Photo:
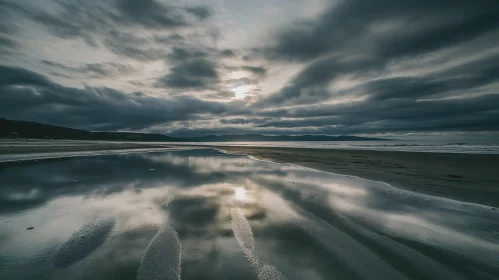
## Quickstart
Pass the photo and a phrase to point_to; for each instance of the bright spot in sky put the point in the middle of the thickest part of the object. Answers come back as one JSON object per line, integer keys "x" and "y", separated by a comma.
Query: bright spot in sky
{"x": 241, "y": 91}
{"x": 240, "y": 194}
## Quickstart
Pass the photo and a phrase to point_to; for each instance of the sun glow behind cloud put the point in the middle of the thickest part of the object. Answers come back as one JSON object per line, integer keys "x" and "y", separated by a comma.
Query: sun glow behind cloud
{"x": 241, "y": 91}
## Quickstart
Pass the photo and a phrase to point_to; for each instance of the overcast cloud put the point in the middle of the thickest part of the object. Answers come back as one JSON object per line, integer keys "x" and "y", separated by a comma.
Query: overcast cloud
{"x": 188, "y": 68}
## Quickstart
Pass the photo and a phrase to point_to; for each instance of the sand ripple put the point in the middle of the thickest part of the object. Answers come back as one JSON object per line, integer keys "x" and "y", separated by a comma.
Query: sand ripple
{"x": 82, "y": 243}
{"x": 162, "y": 257}
{"x": 244, "y": 237}
{"x": 354, "y": 255}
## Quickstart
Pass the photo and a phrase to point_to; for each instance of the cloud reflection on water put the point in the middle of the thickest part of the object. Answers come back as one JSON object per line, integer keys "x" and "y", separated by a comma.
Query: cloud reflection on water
{"x": 288, "y": 208}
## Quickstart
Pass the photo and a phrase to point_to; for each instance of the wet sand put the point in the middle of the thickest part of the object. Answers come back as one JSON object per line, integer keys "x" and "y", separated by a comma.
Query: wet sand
{"x": 465, "y": 177}
{"x": 42, "y": 149}
{"x": 44, "y": 146}
{"x": 203, "y": 214}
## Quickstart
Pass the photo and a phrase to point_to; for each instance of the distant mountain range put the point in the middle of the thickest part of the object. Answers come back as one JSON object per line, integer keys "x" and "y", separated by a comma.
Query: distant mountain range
{"x": 269, "y": 138}
{"x": 22, "y": 129}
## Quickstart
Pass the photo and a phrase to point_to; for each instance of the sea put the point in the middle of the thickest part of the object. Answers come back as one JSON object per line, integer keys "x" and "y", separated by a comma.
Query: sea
{"x": 433, "y": 146}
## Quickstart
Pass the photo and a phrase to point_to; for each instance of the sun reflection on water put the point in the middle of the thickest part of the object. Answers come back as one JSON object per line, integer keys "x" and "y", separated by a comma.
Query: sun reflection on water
{"x": 240, "y": 194}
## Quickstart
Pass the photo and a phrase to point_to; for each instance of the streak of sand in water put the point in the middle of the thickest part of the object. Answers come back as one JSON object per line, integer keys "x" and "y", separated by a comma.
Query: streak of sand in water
{"x": 82, "y": 243}
{"x": 244, "y": 237}
{"x": 162, "y": 257}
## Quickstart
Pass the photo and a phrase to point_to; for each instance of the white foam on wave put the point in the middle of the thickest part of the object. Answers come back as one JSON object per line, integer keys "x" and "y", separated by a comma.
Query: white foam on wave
{"x": 83, "y": 242}
{"x": 162, "y": 257}
{"x": 244, "y": 236}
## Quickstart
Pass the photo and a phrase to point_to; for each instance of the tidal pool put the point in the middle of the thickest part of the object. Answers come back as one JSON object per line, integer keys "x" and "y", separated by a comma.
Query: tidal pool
{"x": 202, "y": 214}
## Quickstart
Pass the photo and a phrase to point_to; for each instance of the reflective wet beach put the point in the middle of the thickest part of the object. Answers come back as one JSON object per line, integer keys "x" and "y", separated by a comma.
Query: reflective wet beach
{"x": 201, "y": 214}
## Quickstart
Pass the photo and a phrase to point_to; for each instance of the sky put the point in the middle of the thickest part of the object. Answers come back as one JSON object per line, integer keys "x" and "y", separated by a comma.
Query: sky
{"x": 190, "y": 67}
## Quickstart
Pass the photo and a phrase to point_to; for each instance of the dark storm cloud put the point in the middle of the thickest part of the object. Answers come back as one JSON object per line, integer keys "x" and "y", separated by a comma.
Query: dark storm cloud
{"x": 202, "y": 12}
{"x": 129, "y": 45}
{"x": 86, "y": 16}
{"x": 255, "y": 69}
{"x": 6, "y": 42}
{"x": 167, "y": 39}
{"x": 361, "y": 38}
{"x": 7, "y": 16}
{"x": 392, "y": 109}
{"x": 244, "y": 121}
{"x": 429, "y": 87}
{"x": 26, "y": 95}
{"x": 182, "y": 54}
{"x": 14, "y": 76}
{"x": 8, "y": 29}
{"x": 466, "y": 114}
{"x": 310, "y": 85}
{"x": 94, "y": 70}
{"x": 451, "y": 115}
{"x": 8, "y": 45}
{"x": 194, "y": 73}
{"x": 388, "y": 28}
{"x": 106, "y": 23}
{"x": 456, "y": 81}
{"x": 227, "y": 53}
{"x": 155, "y": 14}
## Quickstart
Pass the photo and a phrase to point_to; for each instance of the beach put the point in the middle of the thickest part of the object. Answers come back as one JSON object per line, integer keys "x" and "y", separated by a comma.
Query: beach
{"x": 214, "y": 213}
{"x": 12, "y": 147}
{"x": 465, "y": 177}
{"x": 12, "y": 150}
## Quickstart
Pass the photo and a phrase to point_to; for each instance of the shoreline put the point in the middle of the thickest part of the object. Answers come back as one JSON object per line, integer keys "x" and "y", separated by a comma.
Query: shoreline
{"x": 43, "y": 150}
{"x": 468, "y": 178}
{"x": 70, "y": 146}
{"x": 463, "y": 177}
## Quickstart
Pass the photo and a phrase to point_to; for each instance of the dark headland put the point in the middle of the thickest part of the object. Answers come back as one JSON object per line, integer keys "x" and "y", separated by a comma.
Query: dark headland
{"x": 34, "y": 130}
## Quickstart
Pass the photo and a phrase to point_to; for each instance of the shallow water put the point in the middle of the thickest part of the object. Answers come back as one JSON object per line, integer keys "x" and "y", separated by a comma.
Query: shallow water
{"x": 201, "y": 214}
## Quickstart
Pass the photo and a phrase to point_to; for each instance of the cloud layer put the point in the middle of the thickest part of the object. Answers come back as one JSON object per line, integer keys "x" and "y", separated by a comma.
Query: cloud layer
{"x": 353, "y": 67}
